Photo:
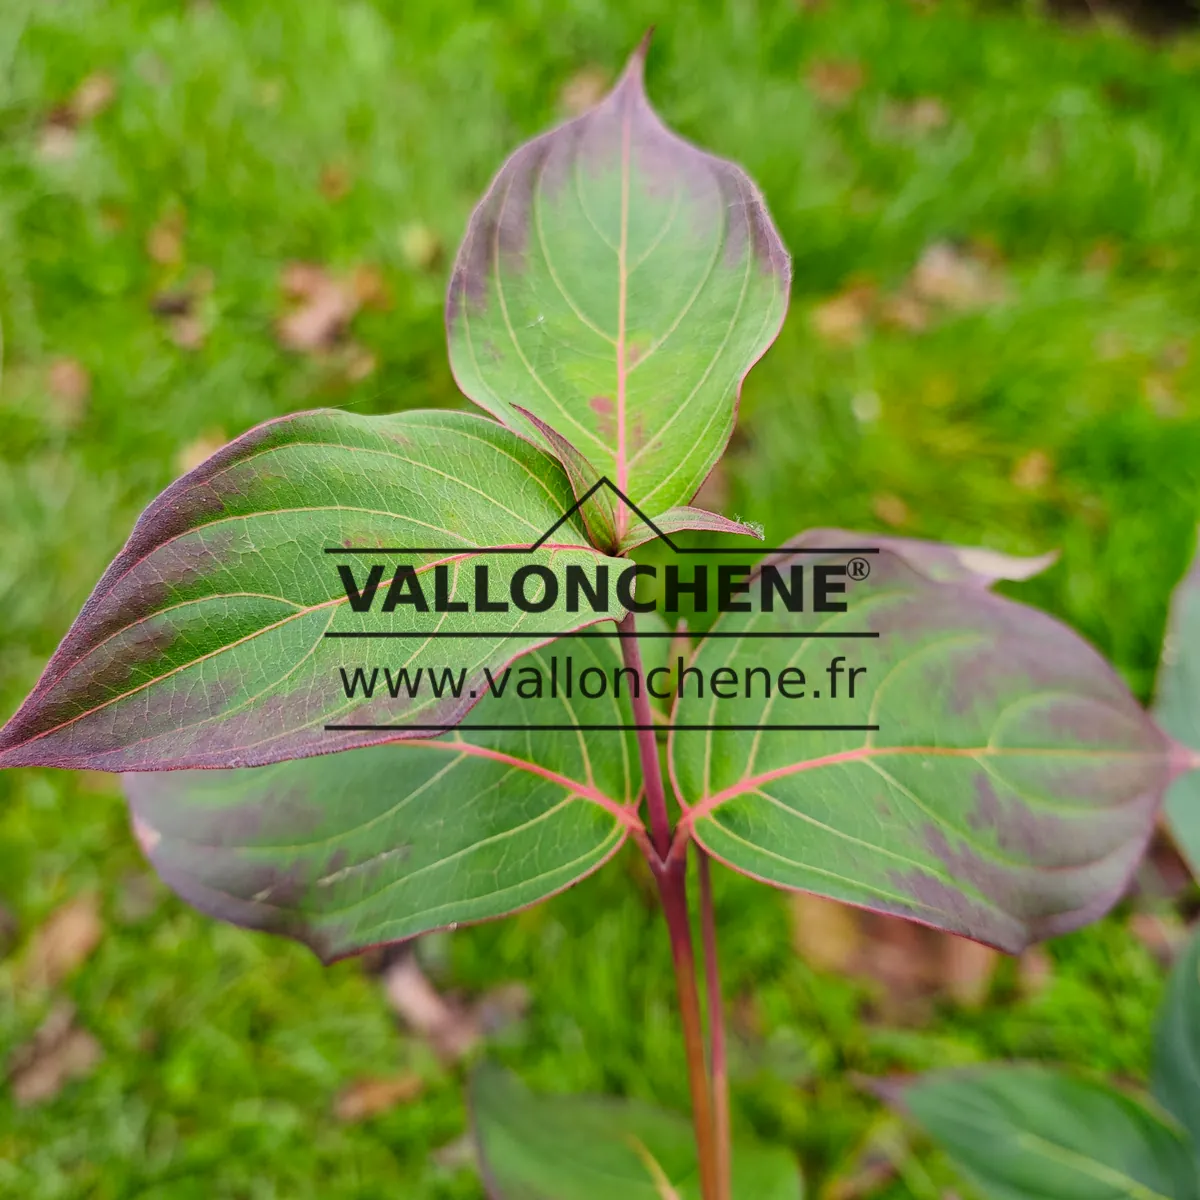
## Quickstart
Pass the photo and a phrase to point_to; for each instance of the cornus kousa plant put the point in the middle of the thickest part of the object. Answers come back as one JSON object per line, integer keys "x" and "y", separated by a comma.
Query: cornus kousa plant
{"x": 435, "y": 690}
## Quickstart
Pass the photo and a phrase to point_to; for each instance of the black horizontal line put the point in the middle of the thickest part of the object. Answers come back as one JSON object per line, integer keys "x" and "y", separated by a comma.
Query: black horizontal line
{"x": 743, "y": 550}
{"x": 613, "y": 728}
{"x": 590, "y": 634}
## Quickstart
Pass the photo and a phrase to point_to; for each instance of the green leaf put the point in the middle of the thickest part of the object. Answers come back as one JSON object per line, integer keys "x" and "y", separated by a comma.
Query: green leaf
{"x": 1177, "y": 707}
{"x": 990, "y": 774}
{"x": 591, "y": 1148}
{"x": 1176, "y": 1083}
{"x": 350, "y": 850}
{"x": 678, "y": 520}
{"x": 619, "y": 283}
{"x": 1032, "y": 1133}
{"x": 217, "y": 637}
{"x": 594, "y": 496}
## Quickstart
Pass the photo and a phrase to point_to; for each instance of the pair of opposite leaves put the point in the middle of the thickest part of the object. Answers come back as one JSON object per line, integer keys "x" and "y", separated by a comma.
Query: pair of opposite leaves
{"x": 620, "y": 283}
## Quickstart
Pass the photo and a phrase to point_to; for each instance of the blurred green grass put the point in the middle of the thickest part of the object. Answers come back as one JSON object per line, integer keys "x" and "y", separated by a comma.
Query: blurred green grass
{"x": 1071, "y": 156}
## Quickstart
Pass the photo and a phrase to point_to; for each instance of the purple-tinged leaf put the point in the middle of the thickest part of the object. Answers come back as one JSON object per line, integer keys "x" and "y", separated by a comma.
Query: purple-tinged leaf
{"x": 619, "y": 283}
{"x": 680, "y": 520}
{"x": 989, "y": 774}
{"x": 1177, "y": 708}
{"x": 217, "y": 637}
{"x": 596, "y": 497}
{"x": 939, "y": 561}
{"x": 351, "y": 850}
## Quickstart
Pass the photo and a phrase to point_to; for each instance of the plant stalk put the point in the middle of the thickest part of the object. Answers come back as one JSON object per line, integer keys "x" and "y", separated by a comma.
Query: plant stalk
{"x": 718, "y": 1069}
{"x": 647, "y": 743}
{"x": 670, "y": 873}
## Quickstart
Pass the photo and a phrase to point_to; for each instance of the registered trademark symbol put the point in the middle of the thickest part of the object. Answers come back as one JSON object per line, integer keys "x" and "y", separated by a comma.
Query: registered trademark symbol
{"x": 858, "y": 568}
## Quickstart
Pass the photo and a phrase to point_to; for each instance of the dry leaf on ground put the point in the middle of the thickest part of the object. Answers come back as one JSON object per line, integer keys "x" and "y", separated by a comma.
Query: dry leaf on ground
{"x": 912, "y": 965}
{"x": 891, "y": 510}
{"x": 58, "y": 1052}
{"x": 57, "y": 139}
{"x": 336, "y": 182}
{"x": 1162, "y": 933}
{"x": 1032, "y": 471}
{"x": 585, "y": 89}
{"x": 63, "y": 942}
{"x": 323, "y": 307}
{"x": 92, "y": 96}
{"x": 955, "y": 278}
{"x": 834, "y": 81}
{"x": 841, "y": 320}
{"x": 164, "y": 242}
{"x": 366, "y": 1098}
{"x": 922, "y": 115}
{"x": 1035, "y": 970}
{"x": 450, "y": 1028}
{"x": 69, "y": 385}
{"x": 825, "y": 933}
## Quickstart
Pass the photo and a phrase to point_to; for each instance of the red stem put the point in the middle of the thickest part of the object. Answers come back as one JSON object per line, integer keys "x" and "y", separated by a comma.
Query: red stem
{"x": 671, "y": 877}
{"x": 647, "y": 743}
{"x": 717, "y": 1062}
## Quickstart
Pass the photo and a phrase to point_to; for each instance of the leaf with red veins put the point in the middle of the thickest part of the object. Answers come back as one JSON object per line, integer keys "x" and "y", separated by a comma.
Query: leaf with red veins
{"x": 619, "y": 283}
{"x": 353, "y": 850}
{"x": 681, "y": 519}
{"x": 989, "y": 774}
{"x": 217, "y": 637}
{"x": 594, "y": 495}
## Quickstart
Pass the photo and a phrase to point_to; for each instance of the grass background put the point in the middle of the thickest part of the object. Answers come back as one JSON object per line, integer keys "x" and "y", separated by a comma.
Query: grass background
{"x": 1070, "y": 154}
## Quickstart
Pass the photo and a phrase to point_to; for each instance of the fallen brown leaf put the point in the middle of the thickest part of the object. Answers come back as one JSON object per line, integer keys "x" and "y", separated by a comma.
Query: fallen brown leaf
{"x": 164, "y": 242}
{"x": 70, "y": 385}
{"x": 457, "y": 1155}
{"x": 1162, "y": 395}
{"x": 1035, "y": 969}
{"x": 955, "y": 278}
{"x": 92, "y": 96}
{"x": 904, "y": 311}
{"x": 450, "y": 1028}
{"x": 199, "y": 449}
{"x": 917, "y": 116}
{"x": 187, "y": 331}
{"x": 1103, "y": 256}
{"x": 891, "y": 510}
{"x": 366, "y": 1098}
{"x": 502, "y": 1007}
{"x": 585, "y": 89}
{"x": 335, "y": 182}
{"x": 371, "y": 287}
{"x": 834, "y": 81}
{"x": 826, "y": 934}
{"x": 64, "y": 941}
{"x": 1163, "y": 934}
{"x": 1032, "y": 471}
{"x": 967, "y": 969}
{"x": 324, "y": 307}
{"x": 56, "y": 141}
{"x": 842, "y": 319}
{"x": 359, "y": 363}
{"x": 58, "y": 1052}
